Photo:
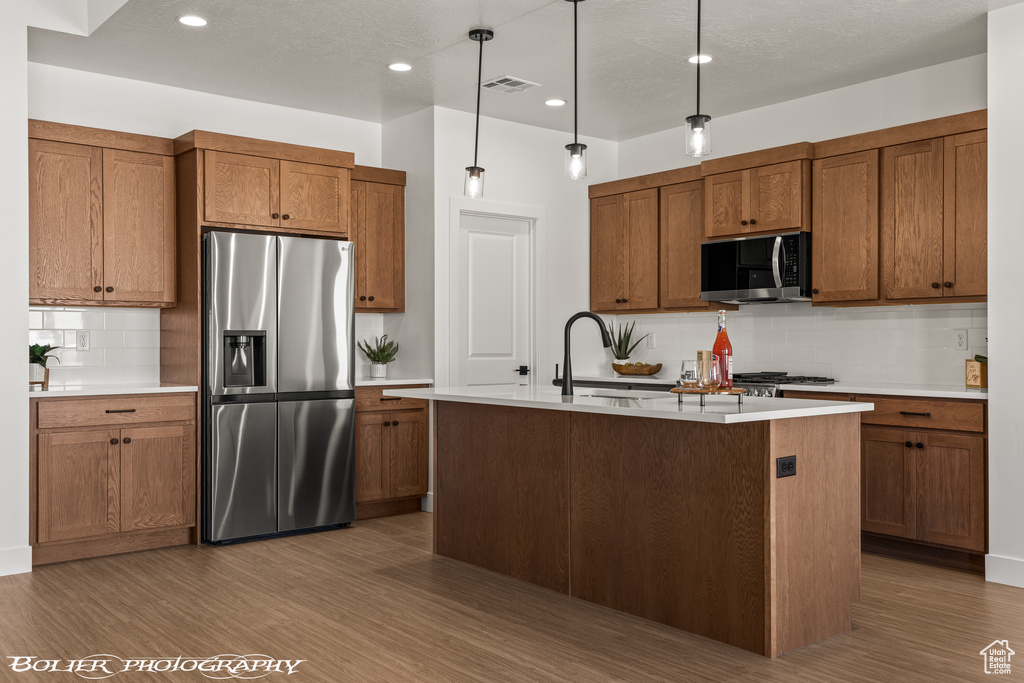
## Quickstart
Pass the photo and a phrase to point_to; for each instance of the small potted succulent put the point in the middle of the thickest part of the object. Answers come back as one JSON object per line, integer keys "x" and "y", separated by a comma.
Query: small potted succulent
{"x": 623, "y": 346}
{"x": 379, "y": 354}
{"x": 38, "y": 373}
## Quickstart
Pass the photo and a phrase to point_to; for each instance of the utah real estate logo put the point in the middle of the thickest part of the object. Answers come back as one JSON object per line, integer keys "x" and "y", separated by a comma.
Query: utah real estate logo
{"x": 997, "y": 657}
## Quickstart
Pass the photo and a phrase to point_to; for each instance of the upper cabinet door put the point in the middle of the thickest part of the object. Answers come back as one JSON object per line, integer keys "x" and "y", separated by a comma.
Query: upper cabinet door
{"x": 845, "y": 244}
{"x": 726, "y": 204}
{"x": 65, "y": 222}
{"x": 682, "y": 229}
{"x": 242, "y": 189}
{"x": 912, "y": 220}
{"x": 138, "y": 227}
{"x": 384, "y": 240}
{"x": 642, "y": 250}
{"x": 314, "y": 197}
{"x": 608, "y": 256}
{"x": 965, "y": 264}
{"x": 777, "y": 197}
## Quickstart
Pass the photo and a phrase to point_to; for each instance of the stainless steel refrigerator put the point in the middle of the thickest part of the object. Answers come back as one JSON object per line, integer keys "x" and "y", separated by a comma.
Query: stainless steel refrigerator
{"x": 279, "y": 400}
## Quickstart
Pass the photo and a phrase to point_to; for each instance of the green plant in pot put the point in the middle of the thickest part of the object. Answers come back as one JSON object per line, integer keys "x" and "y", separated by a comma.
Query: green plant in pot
{"x": 380, "y": 353}
{"x": 38, "y": 355}
{"x": 623, "y": 347}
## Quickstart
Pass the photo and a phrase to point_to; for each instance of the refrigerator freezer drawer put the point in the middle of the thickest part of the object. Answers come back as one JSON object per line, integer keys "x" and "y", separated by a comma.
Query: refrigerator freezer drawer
{"x": 241, "y": 471}
{"x": 316, "y": 463}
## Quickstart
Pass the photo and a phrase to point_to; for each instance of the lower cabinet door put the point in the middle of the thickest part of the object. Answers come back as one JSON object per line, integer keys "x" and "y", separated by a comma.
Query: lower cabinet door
{"x": 370, "y": 456}
{"x": 408, "y": 454}
{"x": 951, "y": 491}
{"x": 157, "y": 477}
{"x": 888, "y": 481}
{"x": 78, "y": 485}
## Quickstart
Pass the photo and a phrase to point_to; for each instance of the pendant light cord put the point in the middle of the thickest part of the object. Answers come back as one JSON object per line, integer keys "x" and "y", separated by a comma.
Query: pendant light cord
{"x": 698, "y": 57}
{"x": 479, "y": 87}
{"x": 576, "y": 74}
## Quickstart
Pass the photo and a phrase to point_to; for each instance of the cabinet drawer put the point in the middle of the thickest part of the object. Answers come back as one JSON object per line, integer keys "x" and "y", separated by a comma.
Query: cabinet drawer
{"x": 817, "y": 395}
{"x": 373, "y": 398}
{"x": 116, "y": 410}
{"x": 963, "y": 416}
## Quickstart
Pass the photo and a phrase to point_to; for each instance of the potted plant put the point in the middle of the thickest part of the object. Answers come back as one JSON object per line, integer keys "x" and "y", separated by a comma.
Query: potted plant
{"x": 379, "y": 354}
{"x": 38, "y": 355}
{"x": 623, "y": 346}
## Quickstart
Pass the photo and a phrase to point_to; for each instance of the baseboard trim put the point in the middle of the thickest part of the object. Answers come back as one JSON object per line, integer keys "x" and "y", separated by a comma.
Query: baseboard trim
{"x": 919, "y": 552}
{"x": 427, "y": 502}
{"x": 1007, "y": 570}
{"x": 16, "y": 560}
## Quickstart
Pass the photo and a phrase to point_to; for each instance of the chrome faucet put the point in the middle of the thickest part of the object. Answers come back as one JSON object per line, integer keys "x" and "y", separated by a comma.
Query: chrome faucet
{"x": 567, "y": 361}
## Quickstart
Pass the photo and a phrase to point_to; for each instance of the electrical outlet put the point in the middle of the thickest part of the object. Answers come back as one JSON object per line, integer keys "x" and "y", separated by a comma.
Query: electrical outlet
{"x": 82, "y": 340}
{"x": 785, "y": 467}
{"x": 651, "y": 343}
{"x": 961, "y": 338}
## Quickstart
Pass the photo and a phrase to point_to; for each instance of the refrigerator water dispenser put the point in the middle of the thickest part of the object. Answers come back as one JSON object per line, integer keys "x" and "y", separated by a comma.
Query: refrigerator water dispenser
{"x": 245, "y": 358}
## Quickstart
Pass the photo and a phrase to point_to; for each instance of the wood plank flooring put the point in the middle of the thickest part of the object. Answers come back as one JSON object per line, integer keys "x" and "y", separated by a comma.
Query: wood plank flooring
{"x": 371, "y": 603}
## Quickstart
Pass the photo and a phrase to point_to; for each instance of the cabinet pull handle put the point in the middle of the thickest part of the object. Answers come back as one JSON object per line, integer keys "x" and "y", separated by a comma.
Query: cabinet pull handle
{"x": 371, "y": 298}
{"x": 362, "y": 298}
{"x": 387, "y": 424}
{"x": 910, "y": 444}
{"x": 947, "y": 285}
{"x": 625, "y": 300}
{"x": 275, "y": 215}
{"x": 935, "y": 285}
{"x": 920, "y": 445}
{"x": 743, "y": 222}
{"x": 394, "y": 422}
{"x": 814, "y": 291}
{"x": 97, "y": 288}
{"x": 618, "y": 301}
{"x": 285, "y": 217}
{"x": 113, "y": 442}
{"x": 127, "y": 439}
{"x": 391, "y": 398}
{"x": 906, "y": 412}
{"x": 110, "y": 289}
{"x": 753, "y": 221}
{"x": 125, "y": 410}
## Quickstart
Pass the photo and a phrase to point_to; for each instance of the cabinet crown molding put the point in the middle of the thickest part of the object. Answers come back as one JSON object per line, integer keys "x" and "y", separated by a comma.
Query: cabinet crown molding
{"x": 98, "y": 137}
{"x": 222, "y": 142}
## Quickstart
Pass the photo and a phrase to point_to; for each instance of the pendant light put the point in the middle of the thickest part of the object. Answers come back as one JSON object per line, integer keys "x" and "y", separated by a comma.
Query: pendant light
{"x": 698, "y": 130}
{"x": 475, "y": 174}
{"x": 575, "y": 153}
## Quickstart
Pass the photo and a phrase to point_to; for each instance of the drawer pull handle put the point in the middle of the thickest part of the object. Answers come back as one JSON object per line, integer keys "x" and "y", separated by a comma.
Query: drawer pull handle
{"x": 125, "y": 410}
{"x": 391, "y": 398}
{"x": 905, "y": 412}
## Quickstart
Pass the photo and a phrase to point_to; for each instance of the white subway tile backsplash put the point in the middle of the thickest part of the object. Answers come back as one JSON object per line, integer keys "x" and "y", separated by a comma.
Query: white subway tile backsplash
{"x": 35, "y": 320}
{"x": 114, "y": 319}
{"x": 142, "y": 339}
{"x": 142, "y": 319}
{"x": 51, "y": 337}
{"x": 73, "y": 319}
{"x": 129, "y": 356}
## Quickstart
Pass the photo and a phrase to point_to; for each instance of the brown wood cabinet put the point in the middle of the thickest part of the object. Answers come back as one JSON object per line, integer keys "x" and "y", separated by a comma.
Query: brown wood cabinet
{"x": 764, "y": 199}
{"x": 682, "y": 229}
{"x": 266, "y": 192}
{"x": 888, "y": 482}
{"x": 378, "y": 230}
{"x": 845, "y": 215}
{"x": 101, "y": 220}
{"x": 128, "y": 485}
{"x": 391, "y": 455}
{"x": 624, "y": 252}
{"x": 934, "y": 218}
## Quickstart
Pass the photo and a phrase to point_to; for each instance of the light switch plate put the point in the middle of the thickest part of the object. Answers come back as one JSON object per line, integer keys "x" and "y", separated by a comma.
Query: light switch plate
{"x": 82, "y": 340}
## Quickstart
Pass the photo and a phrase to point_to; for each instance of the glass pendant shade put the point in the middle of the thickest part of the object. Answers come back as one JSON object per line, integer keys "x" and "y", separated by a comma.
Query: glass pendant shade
{"x": 576, "y": 161}
{"x": 698, "y": 135}
{"x": 474, "y": 182}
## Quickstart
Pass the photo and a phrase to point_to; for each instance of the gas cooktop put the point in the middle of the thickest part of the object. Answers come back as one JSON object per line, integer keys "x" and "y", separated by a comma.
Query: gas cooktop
{"x": 767, "y": 383}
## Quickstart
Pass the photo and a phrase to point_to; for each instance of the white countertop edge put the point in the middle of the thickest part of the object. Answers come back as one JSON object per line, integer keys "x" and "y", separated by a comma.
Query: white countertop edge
{"x": 112, "y": 389}
{"x": 390, "y": 381}
{"x": 720, "y": 409}
{"x": 917, "y": 390}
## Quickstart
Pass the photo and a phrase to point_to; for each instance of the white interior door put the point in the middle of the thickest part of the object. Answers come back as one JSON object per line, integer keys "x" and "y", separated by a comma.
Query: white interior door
{"x": 493, "y": 304}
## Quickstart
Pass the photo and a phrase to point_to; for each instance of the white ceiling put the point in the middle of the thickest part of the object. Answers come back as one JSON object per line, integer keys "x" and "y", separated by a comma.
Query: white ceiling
{"x": 331, "y": 55}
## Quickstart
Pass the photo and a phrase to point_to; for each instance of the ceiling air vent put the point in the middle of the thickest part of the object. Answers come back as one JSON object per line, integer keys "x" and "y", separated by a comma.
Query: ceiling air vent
{"x": 509, "y": 84}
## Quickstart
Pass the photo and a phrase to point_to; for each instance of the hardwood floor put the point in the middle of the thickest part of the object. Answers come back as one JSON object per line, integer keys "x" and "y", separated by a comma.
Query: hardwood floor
{"x": 372, "y": 603}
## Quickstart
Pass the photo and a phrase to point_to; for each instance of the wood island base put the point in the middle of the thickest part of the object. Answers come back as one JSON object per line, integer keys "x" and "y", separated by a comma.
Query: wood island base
{"x": 684, "y": 523}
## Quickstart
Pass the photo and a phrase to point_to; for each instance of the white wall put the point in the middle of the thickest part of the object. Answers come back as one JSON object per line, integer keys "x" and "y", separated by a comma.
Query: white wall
{"x": 901, "y": 344}
{"x": 100, "y": 101}
{"x": 1005, "y": 562}
{"x": 408, "y": 145}
{"x": 15, "y": 553}
{"x": 941, "y": 90}
{"x": 525, "y": 166}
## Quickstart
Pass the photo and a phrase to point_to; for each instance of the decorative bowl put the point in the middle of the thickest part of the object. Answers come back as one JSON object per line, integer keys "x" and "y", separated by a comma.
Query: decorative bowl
{"x": 630, "y": 369}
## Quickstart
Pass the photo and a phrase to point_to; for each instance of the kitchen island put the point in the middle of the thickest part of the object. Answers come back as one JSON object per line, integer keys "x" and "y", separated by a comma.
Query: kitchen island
{"x": 664, "y": 509}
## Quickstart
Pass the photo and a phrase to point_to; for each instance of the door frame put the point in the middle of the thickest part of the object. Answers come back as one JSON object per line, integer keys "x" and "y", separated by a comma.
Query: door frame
{"x": 447, "y": 277}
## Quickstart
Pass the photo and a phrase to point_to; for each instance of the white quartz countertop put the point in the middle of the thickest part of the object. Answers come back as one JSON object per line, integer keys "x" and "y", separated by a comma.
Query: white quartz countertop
{"x": 109, "y": 389}
{"x": 920, "y": 390}
{"x": 651, "y": 404}
{"x": 391, "y": 381}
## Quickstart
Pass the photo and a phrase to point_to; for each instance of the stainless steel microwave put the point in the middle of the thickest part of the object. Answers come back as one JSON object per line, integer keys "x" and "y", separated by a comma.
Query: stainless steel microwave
{"x": 757, "y": 269}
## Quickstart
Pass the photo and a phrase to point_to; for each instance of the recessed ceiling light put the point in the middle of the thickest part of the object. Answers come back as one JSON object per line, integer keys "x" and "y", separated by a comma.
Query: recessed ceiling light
{"x": 399, "y": 66}
{"x": 192, "y": 20}
{"x": 557, "y": 102}
{"x": 704, "y": 59}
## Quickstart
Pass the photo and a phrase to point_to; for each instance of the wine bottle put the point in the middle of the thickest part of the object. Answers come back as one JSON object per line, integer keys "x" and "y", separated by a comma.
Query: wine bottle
{"x": 723, "y": 352}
